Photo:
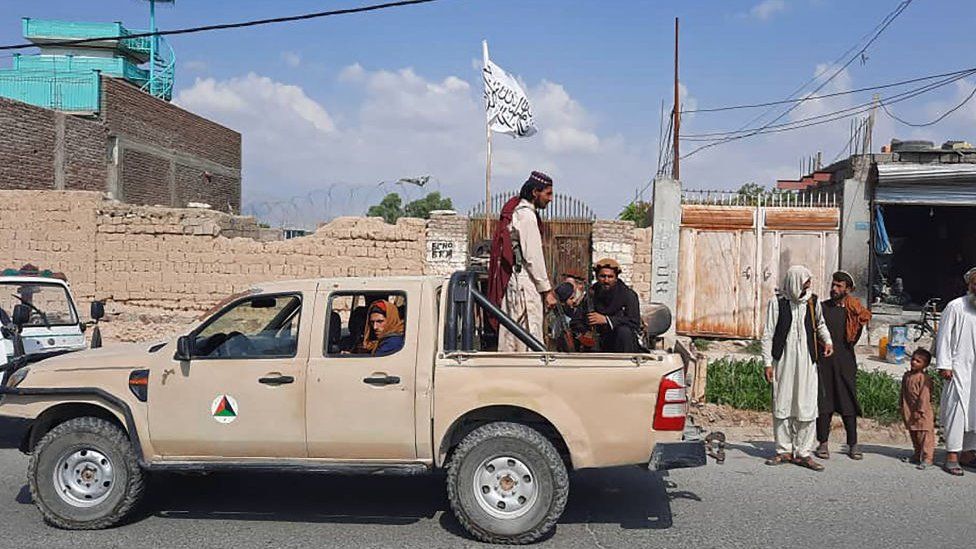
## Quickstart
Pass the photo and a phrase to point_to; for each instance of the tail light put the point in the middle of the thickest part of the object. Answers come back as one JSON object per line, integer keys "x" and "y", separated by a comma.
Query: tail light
{"x": 672, "y": 403}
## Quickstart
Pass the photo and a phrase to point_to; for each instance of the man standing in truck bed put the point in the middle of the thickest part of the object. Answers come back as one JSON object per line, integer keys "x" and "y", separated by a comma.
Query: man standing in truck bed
{"x": 517, "y": 278}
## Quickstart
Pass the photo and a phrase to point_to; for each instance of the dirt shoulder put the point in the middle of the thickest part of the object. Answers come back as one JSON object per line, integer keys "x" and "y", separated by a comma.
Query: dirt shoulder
{"x": 748, "y": 425}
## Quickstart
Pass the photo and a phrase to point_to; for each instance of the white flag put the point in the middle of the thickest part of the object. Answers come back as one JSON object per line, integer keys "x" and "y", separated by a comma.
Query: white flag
{"x": 506, "y": 105}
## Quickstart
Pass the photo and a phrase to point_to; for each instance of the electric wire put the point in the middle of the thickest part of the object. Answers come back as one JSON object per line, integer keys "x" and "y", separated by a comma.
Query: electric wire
{"x": 224, "y": 26}
{"x": 937, "y": 120}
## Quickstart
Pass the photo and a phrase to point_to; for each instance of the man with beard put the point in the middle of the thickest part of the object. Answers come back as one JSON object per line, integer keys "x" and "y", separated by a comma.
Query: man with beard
{"x": 517, "y": 278}
{"x": 794, "y": 330}
{"x": 845, "y": 317}
{"x": 956, "y": 355}
{"x": 568, "y": 322}
{"x": 616, "y": 310}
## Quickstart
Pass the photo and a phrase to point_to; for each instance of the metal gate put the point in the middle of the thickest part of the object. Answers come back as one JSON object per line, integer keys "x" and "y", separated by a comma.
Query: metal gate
{"x": 735, "y": 250}
{"x": 567, "y": 227}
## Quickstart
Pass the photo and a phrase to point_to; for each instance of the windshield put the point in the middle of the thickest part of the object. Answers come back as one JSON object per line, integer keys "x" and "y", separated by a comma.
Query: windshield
{"x": 49, "y": 303}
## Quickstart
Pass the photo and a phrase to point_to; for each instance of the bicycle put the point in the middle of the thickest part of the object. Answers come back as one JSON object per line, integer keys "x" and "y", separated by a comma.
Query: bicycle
{"x": 928, "y": 324}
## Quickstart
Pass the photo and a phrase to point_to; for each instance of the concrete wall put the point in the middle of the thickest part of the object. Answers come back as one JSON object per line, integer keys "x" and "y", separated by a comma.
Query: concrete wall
{"x": 139, "y": 149}
{"x": 855, "y": 230}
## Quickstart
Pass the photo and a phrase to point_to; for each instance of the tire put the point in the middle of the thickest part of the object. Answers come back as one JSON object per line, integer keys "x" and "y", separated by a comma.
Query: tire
{"x": 516, "y": 449}
{"x": 98, "y": 451}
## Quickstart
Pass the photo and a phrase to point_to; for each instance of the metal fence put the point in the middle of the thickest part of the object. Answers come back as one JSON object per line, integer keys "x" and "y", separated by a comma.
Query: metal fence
{"x": 789, "y": 199}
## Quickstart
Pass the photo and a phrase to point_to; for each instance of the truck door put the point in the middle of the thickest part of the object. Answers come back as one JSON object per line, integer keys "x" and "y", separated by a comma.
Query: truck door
{"x": 242, "y": 394}
{"x": 360, "y": 397}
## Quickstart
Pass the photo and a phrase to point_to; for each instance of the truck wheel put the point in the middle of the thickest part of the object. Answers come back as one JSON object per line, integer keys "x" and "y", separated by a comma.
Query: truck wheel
{"x": 507, "y": 484}
{"x": 84, "y": 475}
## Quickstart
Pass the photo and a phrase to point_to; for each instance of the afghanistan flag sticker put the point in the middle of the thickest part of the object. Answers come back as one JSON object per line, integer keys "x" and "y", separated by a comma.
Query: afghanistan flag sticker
{"x": 224, "y": 409}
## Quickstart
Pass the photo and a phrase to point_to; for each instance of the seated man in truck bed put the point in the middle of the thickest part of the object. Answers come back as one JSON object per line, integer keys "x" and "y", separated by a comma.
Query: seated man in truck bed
{"x": 616, "y": 310}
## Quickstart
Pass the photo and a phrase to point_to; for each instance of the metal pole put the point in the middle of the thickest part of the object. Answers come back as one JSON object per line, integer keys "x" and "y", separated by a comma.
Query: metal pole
{"x": 675, "y": 167}
{"x": 152, "y": 46}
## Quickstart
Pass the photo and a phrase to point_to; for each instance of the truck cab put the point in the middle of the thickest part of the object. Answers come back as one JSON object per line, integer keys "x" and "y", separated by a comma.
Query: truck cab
{"x": 53, "y": 326}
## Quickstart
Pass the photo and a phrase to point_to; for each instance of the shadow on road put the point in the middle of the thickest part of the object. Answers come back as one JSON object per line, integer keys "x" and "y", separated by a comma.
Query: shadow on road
{"x": 630, "y": 497}
{"x": 764, "y": 449}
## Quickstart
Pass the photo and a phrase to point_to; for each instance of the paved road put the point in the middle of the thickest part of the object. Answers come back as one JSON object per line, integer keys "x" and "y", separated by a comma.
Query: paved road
{"x": 879, "y": 502}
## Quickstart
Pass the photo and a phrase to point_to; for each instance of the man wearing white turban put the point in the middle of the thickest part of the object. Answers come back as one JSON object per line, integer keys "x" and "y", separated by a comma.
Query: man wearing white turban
{"x": 955, "y": 349}
{"x": 795, "y": 331}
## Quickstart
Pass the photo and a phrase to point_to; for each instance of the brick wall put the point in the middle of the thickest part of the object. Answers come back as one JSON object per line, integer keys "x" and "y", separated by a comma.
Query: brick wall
{"x": 145, "y": 178}
{"x": 26, "y": 146}
{"x": 166, "y": 155}
{"x": 447, "y": 243}
{"x": 641, "y": 278}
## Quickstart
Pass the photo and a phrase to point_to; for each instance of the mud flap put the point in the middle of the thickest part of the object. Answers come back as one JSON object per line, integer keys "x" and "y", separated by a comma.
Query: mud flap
{"x": 677, "y": 455}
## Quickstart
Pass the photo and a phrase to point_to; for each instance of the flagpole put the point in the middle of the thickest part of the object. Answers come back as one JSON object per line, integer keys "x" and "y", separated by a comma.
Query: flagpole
{"x": 484, "y": 51}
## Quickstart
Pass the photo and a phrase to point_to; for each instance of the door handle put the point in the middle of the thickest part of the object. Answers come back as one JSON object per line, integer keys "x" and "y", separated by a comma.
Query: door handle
{"x": 382, "y": 380}
{"x": 276, "y": 380}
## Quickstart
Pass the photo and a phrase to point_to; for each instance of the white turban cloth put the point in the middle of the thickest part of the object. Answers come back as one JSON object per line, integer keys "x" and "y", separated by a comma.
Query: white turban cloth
{"x": 796, "y": 277}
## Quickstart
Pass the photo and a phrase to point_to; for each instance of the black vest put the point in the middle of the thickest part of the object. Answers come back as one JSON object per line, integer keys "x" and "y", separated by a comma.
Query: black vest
{"x": 786, "y": 320}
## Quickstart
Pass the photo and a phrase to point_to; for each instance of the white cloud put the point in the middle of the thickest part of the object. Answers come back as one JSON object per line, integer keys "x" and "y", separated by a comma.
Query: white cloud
{"x": 404, "y": 124}
{"x": 292, "y": 59}
{"x": 195, "y": 65}
{"x": 255, "y": 96}
{"x": 767, "y": 9}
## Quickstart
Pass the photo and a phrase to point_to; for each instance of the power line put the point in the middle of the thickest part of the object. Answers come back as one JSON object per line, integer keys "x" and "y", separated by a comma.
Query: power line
{"x": 224, "y": 26}
{"x": 937, "y": 120}
{"x": 827, "y": 95}
{"x": 890, "y": 18}
{"x": 716, "y": 136}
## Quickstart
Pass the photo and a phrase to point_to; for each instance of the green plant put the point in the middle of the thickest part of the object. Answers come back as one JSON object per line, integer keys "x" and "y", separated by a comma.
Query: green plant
{"x": 754, "y": 347}
{"x": 639, "y": 212}
{"x": 701, "y": 344}
{"x": 391, "y": 207}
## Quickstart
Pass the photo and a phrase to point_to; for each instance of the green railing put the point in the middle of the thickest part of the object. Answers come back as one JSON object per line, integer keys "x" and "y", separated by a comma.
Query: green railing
{"x": 68, "y": 91}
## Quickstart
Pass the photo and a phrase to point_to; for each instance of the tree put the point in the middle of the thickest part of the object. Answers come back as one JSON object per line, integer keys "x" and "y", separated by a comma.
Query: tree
{"x": 391, "y": 207}
{"x": 751, "y": 190}
{"x": 423, "y": 206}
{"x": 638, "y": 212}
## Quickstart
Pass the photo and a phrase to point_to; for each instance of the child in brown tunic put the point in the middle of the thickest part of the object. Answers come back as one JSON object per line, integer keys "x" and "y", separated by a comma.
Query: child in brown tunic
{"x": 916, "y": 408}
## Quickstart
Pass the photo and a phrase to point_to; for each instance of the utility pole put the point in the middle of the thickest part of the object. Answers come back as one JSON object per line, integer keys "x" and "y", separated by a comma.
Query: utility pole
{"x": 869, "y": 134}
{"x": 675, "y": 165}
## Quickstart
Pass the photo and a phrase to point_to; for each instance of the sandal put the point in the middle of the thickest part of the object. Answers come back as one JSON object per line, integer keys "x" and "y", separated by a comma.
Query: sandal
{"x": 913, "y": 460}
{"x": 809, "y": 464}
{"x": 822, "y": 452}
{"x": 780, "y": 459}
{"x": 855, "y": 453}
{"x": 953, "y": 468}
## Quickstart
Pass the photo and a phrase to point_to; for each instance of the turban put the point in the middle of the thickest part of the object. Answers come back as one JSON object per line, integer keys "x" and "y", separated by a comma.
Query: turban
{"x": 969, "y": 275}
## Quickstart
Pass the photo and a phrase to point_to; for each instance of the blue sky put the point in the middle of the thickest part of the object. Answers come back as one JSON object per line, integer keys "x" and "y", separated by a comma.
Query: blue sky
{"x": 344, "y": 103}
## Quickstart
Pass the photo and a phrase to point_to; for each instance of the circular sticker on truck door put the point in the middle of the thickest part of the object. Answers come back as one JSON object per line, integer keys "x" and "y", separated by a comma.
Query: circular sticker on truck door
{"x": 224, "y": 409}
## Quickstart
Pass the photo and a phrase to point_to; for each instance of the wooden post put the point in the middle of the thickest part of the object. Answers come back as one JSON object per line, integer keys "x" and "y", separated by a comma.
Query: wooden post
{"x": 675, "y": 166}
{"x": 488, "y": 208}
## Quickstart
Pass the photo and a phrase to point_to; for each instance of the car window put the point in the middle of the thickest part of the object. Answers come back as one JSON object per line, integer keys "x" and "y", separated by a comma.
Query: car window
{"x": 365, "y": 324}
{"x": 261, "y": 326}
{"x": 49, "y": 303}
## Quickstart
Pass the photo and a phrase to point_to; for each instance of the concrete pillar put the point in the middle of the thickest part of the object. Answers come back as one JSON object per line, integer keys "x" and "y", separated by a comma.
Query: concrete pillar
{"x": 855, "y": 234}
{"x": 664, "y": 245}
{"x": 59, "y": 153}
{"x": 447, "y": 243}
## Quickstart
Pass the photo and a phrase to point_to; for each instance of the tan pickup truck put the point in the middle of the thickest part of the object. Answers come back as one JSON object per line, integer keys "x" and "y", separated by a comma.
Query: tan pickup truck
{"x": 272, "y": 381}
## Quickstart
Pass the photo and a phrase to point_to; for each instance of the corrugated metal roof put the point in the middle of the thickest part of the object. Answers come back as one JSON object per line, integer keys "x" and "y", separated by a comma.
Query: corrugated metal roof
{"x": 930, "y": 184}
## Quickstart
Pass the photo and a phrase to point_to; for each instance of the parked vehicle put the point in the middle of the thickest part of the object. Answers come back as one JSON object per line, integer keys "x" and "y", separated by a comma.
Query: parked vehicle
{"x": 50, "y": 324}
{"x": 275, "y": 381}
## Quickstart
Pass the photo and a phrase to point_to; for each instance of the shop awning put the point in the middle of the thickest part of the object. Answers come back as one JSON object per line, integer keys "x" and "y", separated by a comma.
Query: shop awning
{"x": 926, "y": 184}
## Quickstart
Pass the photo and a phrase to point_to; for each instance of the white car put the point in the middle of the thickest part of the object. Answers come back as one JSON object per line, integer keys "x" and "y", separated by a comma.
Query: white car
{"x": 54, "y": 325}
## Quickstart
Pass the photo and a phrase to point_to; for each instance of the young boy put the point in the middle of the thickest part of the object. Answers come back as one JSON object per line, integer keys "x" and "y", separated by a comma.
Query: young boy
{"x": 916, "y": 408}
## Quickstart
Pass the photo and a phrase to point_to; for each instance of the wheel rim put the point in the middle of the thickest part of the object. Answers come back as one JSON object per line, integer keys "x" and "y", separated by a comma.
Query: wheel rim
{"x": 84, "y": 477}
{"x": 505, "y": 487}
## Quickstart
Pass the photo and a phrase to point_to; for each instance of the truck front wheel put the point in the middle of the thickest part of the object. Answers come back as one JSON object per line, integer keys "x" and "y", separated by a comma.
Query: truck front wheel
{"x": 507, "y": 484}
{"x": 84, "y": 475}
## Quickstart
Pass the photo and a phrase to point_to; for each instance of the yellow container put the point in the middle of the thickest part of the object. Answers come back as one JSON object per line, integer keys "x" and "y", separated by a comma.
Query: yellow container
{"x": 883, "y": 347}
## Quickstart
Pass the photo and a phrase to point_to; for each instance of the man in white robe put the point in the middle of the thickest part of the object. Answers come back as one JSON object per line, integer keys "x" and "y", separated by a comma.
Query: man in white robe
{"x": 956, "y": 357}
{"x": 794, "y": 334}
{"x": 529, "y": 285}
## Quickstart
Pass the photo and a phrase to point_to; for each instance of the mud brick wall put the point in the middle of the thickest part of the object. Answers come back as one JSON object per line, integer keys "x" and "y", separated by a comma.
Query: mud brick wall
{"x": 51, "y": 230}
{"x": 641, "y": 277}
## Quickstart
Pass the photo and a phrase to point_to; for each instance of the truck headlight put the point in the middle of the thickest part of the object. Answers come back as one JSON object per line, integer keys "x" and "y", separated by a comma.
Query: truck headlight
{"x": 17, "y": 377}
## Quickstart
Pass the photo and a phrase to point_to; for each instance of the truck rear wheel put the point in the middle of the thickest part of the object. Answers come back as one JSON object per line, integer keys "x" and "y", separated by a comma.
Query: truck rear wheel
{"x": 507, "y": 484}
{"x": 84, "y": 475}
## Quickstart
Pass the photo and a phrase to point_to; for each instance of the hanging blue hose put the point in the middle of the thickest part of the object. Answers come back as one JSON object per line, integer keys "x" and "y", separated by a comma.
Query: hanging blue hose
{"x": 882, "y": 246}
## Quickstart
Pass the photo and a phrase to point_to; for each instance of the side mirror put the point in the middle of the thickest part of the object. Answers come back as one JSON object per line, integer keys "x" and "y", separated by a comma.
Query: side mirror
{"x": 97, "y": 310}
{"x": 184, "y": 349}
{"x": 22, "y": 314}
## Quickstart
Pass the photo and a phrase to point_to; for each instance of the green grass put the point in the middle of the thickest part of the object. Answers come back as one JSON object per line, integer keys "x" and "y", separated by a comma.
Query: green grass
{"x": 701, "y": 344}
{"x": 740, "y": 384}
{"x": 754, "y": 347}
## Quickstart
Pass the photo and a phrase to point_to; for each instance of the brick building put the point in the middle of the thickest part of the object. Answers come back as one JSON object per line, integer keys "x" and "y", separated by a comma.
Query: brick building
{"x": 108, "y": 126}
